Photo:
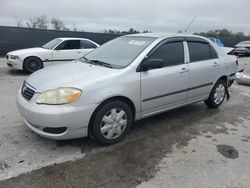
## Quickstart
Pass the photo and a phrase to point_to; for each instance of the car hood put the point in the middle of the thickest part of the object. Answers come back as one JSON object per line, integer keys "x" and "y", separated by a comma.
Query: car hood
{"x": 73, "y": 74}
{"x": 28, "y": 51}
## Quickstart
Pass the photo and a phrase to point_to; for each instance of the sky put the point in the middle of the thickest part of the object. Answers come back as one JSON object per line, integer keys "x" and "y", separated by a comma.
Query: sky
{"x": 152, "y": 15}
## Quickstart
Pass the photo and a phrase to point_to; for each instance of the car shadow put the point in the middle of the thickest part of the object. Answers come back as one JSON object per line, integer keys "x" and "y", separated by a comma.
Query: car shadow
{"x": 173, "y": 122}
{"x": 17, "y": 72}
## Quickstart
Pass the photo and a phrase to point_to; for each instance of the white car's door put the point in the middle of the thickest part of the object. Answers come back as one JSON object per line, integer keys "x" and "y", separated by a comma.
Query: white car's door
{"x": 204, "y": 69}
{"x": 68, "y": 50}
{"x": 165, "y": 87}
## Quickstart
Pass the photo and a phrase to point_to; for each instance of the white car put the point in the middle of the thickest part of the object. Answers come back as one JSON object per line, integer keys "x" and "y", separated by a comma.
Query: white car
{"x": 56, "y": 51}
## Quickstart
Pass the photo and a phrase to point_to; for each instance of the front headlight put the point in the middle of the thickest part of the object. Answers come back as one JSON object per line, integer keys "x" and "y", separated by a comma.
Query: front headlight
{"x": 14, "y": 57}
{"x": 59, "y": 96}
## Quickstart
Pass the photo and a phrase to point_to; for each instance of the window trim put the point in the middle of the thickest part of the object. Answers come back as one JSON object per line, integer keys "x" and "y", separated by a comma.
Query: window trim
{"x": 157, "y": 46}
{"x": 198, "y": 40}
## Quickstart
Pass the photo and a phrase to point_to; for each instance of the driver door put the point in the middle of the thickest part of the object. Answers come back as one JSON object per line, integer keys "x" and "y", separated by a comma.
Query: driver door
{"x": 166, "y": 87}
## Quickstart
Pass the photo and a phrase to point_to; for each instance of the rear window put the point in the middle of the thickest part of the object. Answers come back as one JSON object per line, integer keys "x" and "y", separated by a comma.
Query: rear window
{"x": 199, "y": 51}
{"x": 84, "y": 44}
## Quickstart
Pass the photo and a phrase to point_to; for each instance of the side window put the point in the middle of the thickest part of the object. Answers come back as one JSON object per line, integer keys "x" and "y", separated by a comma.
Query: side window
{"x": 199, "y": 51}
{"x": 171, "y": 53}
{"x": 84, "y": 44}
{"x": 69, "y": 45}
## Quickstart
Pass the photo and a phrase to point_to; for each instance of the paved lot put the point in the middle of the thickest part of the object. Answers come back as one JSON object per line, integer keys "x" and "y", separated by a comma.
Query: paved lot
{"x": 189, "y": 147}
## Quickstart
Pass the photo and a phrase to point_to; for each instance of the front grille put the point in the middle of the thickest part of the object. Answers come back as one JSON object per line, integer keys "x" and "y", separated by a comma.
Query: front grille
{"x": 27, "y": 92}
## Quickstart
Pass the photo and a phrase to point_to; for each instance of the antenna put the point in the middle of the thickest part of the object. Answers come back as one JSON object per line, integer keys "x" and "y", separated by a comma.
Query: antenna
{"x": 190, "y": 24}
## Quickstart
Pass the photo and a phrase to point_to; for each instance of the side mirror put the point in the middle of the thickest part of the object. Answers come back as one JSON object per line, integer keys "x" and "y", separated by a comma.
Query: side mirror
{"x": 152, "y": 64}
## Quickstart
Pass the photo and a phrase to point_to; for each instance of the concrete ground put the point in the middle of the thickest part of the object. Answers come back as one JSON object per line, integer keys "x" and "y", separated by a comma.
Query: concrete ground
{"x": 189, "y": 147}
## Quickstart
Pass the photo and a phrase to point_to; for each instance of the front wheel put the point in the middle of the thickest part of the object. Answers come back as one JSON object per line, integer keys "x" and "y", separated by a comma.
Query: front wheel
{"x": 112, "y": 122}
{"x": 217, "y": 95}
{"x": 32, "y": 64}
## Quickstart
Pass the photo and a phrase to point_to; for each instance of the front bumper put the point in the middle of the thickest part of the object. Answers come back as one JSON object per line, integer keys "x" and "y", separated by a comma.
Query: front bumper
{"x": 41, "y": 117}
{"x": 15, "y": 63}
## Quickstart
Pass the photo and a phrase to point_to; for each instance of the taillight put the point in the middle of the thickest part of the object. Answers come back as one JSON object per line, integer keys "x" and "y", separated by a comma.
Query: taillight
{"x": 247, "y": 47}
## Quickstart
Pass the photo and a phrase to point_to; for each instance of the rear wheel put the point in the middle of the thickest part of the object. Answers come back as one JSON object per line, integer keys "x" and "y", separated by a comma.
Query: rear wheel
{"x": 32, "y": 64}
{"x": 217, "y": 95}
{"x": 111, "y": 122}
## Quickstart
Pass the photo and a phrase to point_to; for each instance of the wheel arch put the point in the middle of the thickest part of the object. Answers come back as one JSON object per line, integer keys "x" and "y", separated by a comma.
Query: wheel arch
{"x": 120, "y": 98}
{"x": 34, "y": 56}
{"x": 223, "y": 78}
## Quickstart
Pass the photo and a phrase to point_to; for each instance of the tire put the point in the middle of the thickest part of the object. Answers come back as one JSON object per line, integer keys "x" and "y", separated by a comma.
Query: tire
{"x": 112, "y": 122}
{"x": 217, "y": 95}
{"x": 32, "y": 64}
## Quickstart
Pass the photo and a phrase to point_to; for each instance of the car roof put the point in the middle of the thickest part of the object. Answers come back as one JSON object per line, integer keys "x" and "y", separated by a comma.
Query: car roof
{"x": 72, "y": 38}
{"x": 166, "y": 35}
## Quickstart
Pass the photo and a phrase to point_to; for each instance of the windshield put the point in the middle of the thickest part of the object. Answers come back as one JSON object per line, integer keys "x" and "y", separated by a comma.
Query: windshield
{"x": 50, "y": 45}
{"x": 120, "y": 52}
{"x": 244, "y": 43}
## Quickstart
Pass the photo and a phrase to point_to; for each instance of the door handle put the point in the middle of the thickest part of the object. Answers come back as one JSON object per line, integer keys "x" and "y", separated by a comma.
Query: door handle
{"x": 78, "y": 52}
{"x": 216, "y": 64}
{"x": 183, "y": 70}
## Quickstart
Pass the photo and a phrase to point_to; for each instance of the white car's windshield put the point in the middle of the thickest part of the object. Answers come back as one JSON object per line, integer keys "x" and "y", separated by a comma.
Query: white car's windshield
{"x": 120, "y": 52}
{"x": 50, "y": 45}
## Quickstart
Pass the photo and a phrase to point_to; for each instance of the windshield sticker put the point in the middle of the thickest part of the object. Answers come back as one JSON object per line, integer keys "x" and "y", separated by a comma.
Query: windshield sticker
{"x": 137, "y": 42}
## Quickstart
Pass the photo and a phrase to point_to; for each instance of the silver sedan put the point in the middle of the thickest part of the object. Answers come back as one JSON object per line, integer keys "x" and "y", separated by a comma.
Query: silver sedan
{"x": 127, "y": 79}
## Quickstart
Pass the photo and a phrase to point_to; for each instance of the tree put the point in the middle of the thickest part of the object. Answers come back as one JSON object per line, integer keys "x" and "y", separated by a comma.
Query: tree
{"x": 133, "y": 31}
{"x": 19, "y": 22}
{"x": 32, "y": 23}
{"x": 220, "y": 33}
{"x": 239, "y": 34}
{"x": 57, "y": 24}
{"x": 224, "y": 33}
{"x": 40, "y": 22}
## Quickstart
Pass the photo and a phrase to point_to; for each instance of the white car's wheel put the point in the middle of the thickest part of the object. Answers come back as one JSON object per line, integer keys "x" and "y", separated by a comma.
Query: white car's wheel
{"x": 32, "y": 64}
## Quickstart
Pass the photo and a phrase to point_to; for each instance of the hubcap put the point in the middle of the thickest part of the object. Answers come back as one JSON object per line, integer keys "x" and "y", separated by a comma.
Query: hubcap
{"x": 219, "y": 94}
{"x": 33, "y": 65}
{"x": 113, "y": 123}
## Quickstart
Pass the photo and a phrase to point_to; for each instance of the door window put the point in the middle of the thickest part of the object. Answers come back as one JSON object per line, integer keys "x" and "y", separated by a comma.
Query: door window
{"x": 84, "y": 44}
{"x": 199, "y": 51}
{"x": 69, "y": 45}
{"x": 171, "y": 53}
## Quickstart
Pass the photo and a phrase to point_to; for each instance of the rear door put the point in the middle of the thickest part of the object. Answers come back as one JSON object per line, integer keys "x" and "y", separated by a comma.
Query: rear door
{"x": 204, "y": 68}
{"x": 165, "y": 87}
